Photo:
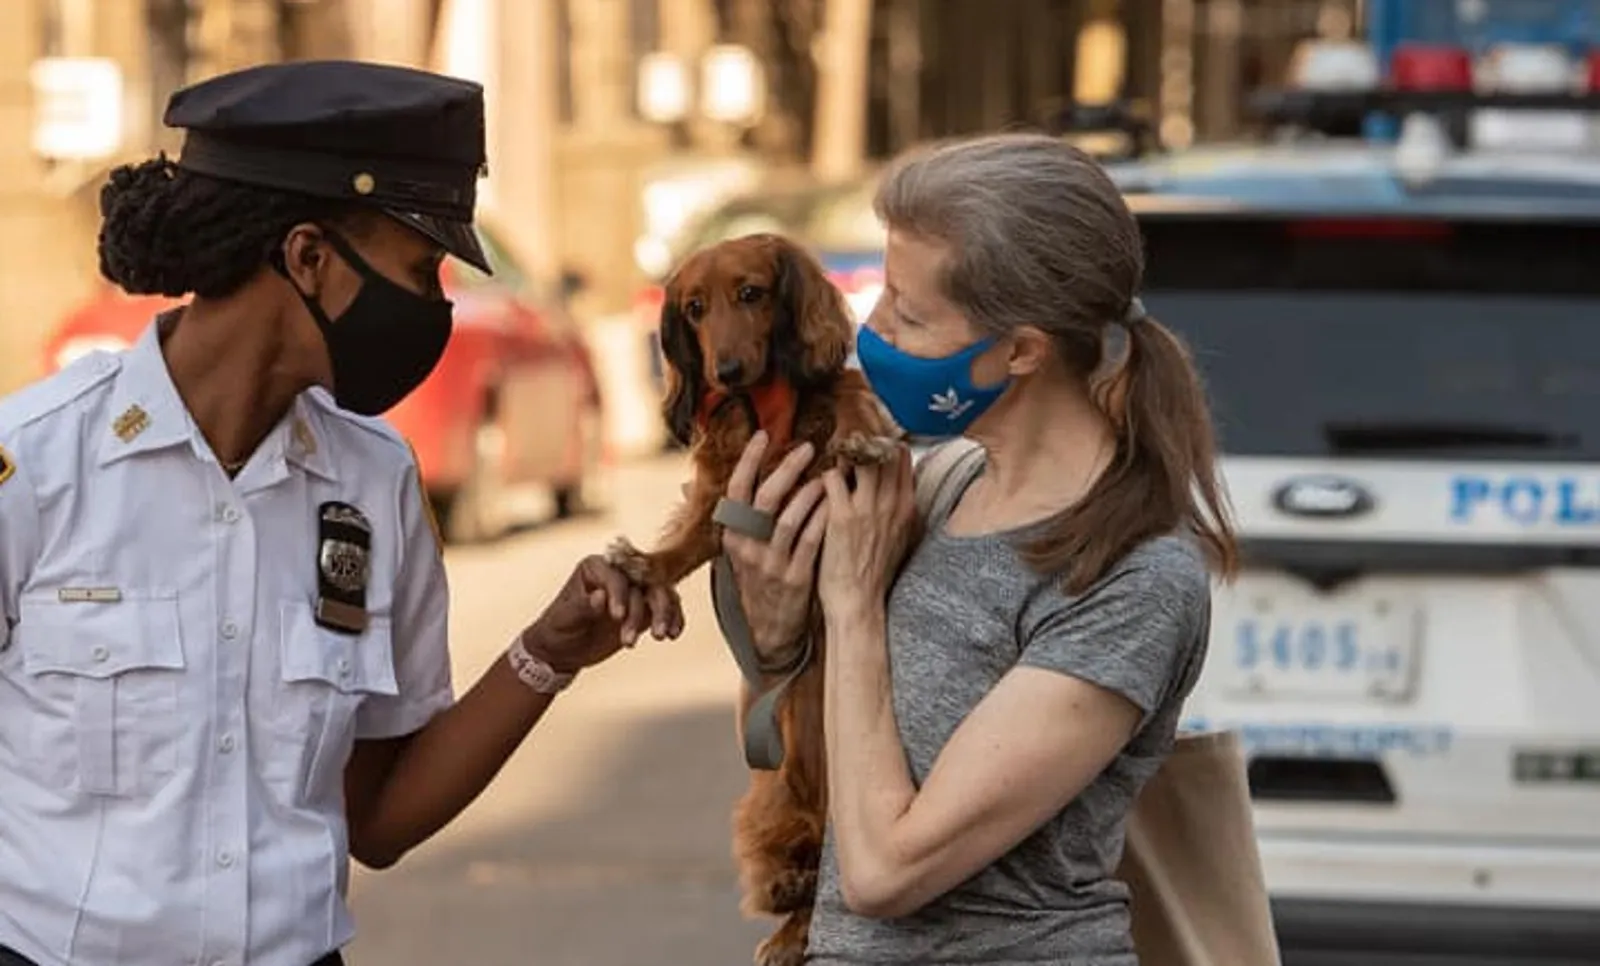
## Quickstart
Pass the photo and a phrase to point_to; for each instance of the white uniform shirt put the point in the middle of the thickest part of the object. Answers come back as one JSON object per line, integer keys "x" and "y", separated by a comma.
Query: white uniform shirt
{"x": 171, "y": 760}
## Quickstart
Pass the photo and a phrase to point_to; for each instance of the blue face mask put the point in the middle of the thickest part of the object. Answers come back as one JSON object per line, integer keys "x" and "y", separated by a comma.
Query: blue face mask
{"x": 927, "y": 397}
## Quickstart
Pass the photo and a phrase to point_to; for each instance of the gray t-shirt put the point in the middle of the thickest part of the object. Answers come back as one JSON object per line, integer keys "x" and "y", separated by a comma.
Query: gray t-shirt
{"x": 963, "y": 612}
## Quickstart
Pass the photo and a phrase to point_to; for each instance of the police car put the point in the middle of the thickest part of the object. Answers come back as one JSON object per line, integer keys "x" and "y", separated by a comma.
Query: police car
{"x": 1401, "y": 340}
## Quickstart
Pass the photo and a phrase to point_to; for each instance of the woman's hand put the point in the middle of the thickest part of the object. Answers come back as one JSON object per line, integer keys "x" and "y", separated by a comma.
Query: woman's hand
{"x": 775, "y": 577}
{"x": 597, "y": 613}
{"x": 869, "y": 529}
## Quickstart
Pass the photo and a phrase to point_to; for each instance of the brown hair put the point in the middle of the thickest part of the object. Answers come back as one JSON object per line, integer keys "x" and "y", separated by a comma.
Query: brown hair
{"x": 1040, "y": 236}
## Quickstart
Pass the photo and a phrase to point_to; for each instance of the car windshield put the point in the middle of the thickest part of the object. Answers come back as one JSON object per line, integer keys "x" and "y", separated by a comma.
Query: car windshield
{"x": 1383, "y": 338}
{"x": 835, "y": 218}
{"x": 843, "y": 221}
{"x": 781, "y": 213}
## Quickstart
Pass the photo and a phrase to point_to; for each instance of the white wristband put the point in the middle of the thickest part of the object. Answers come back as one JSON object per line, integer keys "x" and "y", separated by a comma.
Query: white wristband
{"x": 535, "y": 672}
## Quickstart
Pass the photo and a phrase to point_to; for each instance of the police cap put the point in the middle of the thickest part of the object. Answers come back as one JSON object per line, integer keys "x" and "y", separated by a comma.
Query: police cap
{"x": 407, "y": 142}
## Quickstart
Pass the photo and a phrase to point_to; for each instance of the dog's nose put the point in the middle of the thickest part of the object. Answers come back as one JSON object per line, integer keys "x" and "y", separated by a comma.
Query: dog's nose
{"x": 729, "y": 371}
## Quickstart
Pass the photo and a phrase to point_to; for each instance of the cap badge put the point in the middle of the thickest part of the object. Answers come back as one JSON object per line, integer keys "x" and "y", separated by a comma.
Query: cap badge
{"x": 131, "y": 423}
{"x": 364, "y": 183}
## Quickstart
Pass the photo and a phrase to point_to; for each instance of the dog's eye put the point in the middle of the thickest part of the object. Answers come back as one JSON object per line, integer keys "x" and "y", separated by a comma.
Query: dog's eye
{"x": 749, "y": 293}
{"x": 694, "y": 308}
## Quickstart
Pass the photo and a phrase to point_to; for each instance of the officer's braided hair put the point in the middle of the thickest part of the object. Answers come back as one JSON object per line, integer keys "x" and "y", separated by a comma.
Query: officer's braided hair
{"x": 169, "y": 231}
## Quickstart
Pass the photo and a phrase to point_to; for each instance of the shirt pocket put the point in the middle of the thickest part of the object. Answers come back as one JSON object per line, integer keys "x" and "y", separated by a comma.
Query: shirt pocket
{"x": 324, "y": 678}
{"x": 105, "y": 680}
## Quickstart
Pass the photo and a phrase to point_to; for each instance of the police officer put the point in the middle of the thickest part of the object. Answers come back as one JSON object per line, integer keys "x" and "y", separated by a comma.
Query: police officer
{"x": 223, "y": 663}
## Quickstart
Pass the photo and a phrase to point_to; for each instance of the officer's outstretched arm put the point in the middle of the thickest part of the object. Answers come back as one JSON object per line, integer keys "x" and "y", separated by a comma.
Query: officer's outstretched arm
{"x": 421, "y": 758}
{"x": 19, "y": 538}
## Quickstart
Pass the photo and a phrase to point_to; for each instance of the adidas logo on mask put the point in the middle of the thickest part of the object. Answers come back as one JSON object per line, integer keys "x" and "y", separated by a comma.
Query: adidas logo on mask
{"x": 948, "y": 404}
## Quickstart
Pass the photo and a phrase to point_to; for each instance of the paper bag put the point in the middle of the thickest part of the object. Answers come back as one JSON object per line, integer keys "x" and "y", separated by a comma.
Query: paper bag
{"x": 1191, "y": 862}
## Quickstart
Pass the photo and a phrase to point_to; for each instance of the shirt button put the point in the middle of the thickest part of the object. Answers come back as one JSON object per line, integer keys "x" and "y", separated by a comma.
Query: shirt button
{"x": 344, "y": 667}
{"x": 225, "y": 743}
{"x": 230, "y": 514}
{"x": 230, "y": 630}
{"x": 100, "y": 652}
{"x": 225, "y": 858}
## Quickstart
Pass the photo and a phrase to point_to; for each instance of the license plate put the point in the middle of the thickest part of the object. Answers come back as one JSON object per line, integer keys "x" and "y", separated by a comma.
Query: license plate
{"x": 1356, "y": 648}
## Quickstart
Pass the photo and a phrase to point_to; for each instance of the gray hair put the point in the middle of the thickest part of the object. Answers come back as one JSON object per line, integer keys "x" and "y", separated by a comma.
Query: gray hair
{"x": 1038, "y": 235}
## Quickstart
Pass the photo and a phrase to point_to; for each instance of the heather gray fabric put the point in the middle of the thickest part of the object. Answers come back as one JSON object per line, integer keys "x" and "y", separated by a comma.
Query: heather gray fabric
{"x": 965, "y": 611}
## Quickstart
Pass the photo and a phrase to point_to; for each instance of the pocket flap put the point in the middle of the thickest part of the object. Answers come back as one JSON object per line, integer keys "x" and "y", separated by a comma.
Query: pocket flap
{"x": 350, "y": 662}
{"x": 100, "y": 639}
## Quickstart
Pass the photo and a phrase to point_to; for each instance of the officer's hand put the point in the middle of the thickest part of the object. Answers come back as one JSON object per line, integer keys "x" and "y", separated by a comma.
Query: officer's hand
{"x": 597, "y": 613}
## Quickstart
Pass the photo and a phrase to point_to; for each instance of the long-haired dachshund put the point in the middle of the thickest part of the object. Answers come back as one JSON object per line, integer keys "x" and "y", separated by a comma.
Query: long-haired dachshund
{"x": 755, "y": 336}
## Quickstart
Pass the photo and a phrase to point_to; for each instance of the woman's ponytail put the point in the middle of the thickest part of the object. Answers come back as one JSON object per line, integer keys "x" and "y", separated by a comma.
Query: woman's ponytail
{"x": 1164, "y": 476}
{"x": 1169, "y": 433}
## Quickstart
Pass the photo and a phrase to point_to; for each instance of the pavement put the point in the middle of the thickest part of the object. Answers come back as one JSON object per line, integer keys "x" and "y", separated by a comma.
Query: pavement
{"x": 605, "y": 841}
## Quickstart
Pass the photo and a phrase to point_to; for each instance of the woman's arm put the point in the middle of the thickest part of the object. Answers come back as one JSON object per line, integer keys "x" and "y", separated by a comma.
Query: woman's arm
{"x": 400, "y": 791}
{"x": 420, "y": 757}
{"x": 776, "y": 577}
{"x": 1091, "y": 668}
{"x": 1029, "y": 748}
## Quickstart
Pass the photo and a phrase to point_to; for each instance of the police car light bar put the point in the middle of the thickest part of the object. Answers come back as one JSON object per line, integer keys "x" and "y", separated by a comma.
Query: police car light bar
{"x": 1307, "y": 107}
{"x": 1337, "y": 83}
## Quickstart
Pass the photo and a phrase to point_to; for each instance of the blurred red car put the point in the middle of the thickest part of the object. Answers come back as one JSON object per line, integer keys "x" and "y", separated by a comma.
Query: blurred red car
{"x": 514, "y": 403}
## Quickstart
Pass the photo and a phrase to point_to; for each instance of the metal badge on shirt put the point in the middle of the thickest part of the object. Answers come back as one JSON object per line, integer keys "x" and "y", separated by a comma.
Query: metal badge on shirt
{"x": 344, "y": 553}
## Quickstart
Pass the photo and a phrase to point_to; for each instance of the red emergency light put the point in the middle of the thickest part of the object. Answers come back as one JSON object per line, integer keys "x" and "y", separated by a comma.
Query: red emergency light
{"x": 1430, "y": 67}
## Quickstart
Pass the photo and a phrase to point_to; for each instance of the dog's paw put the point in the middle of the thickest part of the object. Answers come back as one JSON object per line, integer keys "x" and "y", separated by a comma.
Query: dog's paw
{"x": 633, "y": 563}
{"x": 863, "y": 450}
{"x": 780, "y": 950}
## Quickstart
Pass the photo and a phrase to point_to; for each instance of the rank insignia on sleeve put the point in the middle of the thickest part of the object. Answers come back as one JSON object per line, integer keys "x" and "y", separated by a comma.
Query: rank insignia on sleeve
{"x": 344, "y": 557}
{"x": 8, "y": 468}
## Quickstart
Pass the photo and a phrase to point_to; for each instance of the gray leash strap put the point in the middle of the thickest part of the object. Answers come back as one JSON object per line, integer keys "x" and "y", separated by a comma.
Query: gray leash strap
{"x": 763, "y": 739}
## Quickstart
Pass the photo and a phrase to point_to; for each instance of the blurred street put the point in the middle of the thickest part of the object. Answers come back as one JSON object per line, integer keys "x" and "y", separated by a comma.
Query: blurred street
{"x": 605, "y": 841}
{"x": 1369, "y": 222}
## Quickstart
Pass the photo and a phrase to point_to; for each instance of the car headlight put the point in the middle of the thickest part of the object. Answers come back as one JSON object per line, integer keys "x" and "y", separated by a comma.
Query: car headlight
{"x": 74, "y": 349}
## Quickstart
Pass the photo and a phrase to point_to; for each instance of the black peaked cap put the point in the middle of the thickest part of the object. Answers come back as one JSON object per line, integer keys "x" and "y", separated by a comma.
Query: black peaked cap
{"x": 405, "y": 141}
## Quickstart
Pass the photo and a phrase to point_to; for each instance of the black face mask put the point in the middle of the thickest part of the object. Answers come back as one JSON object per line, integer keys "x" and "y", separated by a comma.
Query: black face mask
{"x": 385, "y": 344}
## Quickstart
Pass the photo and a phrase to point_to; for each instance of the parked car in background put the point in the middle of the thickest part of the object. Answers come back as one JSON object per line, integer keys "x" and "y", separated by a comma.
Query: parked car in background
{"x": 513, "y": 405}
{"x": 1399, "y": 344}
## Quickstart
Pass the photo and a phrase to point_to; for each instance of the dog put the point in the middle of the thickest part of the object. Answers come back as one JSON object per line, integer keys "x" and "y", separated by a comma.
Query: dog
{"x": 755, "y": 336}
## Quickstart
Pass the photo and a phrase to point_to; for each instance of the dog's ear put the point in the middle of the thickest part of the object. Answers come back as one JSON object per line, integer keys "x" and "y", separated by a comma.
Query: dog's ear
{"x": 685, "y": 376}
{"x": 812, "y": 334}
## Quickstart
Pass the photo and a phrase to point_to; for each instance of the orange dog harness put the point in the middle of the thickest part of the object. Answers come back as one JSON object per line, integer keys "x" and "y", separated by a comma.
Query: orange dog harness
{"x": 770, "y": 406}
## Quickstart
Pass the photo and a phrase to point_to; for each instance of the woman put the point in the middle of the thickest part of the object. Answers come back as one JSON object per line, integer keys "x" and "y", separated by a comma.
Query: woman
{"x": 998, "y": 693}
{"x": 223, "y": 658}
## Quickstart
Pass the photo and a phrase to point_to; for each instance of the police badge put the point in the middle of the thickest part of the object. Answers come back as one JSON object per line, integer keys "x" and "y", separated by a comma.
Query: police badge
{"x": 344, "y": 551}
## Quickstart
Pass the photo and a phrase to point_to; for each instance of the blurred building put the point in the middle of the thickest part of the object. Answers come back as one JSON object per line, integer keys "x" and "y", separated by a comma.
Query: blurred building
{"x": 609, "y": 119}
{"x": 567, "y": 137}
{"x": 84, "y": 83}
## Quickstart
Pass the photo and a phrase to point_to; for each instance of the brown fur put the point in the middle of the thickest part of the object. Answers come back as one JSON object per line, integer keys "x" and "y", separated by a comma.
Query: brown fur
{"x": 764, "y": 302}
